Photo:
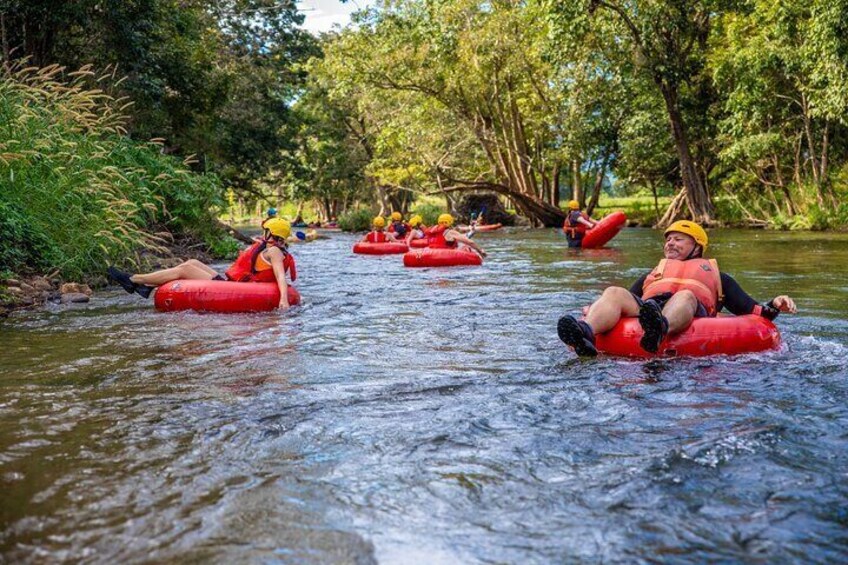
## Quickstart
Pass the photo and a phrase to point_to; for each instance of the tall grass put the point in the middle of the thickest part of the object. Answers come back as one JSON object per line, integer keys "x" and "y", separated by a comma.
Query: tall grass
{"x": 75, "y": 192}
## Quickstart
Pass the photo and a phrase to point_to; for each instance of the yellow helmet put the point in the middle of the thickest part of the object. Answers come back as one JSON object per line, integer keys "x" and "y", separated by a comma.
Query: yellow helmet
{"x": 573, "y": 205}
{"x": 278, "y": 227}
{"x": 379, "y": 222}
{"x": 691, "y": 229}
{"x": 416, "y": 221}
{"x": 397, "y": 216}
{"x": 445, "y": 220}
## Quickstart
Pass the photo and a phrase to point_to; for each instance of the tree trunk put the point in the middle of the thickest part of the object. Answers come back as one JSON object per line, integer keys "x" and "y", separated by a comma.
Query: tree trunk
{"x": 599, "y": 184}
{"x": 653, "y": 186}
{"x": 697, "y": 198}
{"x": 382, "y": 199}
{"x": 576, "y": 183}
{"x": 778, "y": 173}
{"x": 674, "y": 209}
{"x": 528, "y": 205}
{"x": 808, "y": 132}
{"x": 826, "y": 189}
{"x": 555, "y": 185}
{"x": 234, "y": 232}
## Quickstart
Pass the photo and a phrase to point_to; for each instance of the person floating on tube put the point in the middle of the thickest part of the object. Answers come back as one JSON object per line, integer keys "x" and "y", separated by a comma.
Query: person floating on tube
{"x": 683, "y": 286}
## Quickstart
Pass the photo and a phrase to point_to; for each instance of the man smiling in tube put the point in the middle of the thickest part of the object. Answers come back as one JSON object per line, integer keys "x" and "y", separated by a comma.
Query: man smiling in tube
{"x": 684, "y": 286}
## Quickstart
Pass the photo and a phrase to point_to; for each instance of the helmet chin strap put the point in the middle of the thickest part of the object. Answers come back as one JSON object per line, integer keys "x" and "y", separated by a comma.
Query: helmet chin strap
{"x": 696, "y": 248}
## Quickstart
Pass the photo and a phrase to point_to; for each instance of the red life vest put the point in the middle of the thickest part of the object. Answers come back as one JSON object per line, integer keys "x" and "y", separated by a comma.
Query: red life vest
{"x": 244, "y": 267}
{"x": 436, "y": 238}
{"x": 701, "y": 276}
{"x": 572, "y": 227}
{"x": 376, "y": 237}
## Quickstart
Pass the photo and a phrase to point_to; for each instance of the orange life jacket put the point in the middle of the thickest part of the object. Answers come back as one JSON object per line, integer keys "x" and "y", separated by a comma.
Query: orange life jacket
{"x": 250, "y": 266}
{"x": 572, "y": 227}
{"x": 376, "y": 237}
{"x": 699, "y": 275}
{"x": 436, "y": 238}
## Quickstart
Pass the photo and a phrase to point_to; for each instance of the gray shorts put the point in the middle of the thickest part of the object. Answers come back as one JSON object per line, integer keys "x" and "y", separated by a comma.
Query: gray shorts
{"x": 661, "y": 299}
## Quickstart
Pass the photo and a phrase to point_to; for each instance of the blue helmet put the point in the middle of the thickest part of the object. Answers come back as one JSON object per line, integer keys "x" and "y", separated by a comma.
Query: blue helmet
{"x": 272, "y": 212}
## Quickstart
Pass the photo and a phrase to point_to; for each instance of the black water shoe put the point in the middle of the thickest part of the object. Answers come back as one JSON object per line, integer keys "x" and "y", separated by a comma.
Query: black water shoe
{"x": 654, "y": 324}
{"x": 577, "y": 334}
{"x": 122, "y": 279}
{"x": 144, "y": 290}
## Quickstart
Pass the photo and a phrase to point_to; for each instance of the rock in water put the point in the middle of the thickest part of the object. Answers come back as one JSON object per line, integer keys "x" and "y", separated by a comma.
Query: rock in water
{"x": 75, "y": 288}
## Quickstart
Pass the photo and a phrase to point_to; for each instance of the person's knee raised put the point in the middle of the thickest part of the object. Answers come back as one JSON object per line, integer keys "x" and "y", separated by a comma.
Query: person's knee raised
{"x": 616, "y": 293}
{"x": 685, "y": 296}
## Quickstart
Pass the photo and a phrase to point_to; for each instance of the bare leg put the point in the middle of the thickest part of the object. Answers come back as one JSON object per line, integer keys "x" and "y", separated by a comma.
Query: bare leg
{"x": 191, "y": 269}
{"x": 680, "y": 311}
{"x": 615, "y": 303}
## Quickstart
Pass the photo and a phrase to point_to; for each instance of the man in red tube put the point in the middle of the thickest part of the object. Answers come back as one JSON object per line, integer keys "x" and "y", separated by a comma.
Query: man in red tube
{"x": 684, "y": 286}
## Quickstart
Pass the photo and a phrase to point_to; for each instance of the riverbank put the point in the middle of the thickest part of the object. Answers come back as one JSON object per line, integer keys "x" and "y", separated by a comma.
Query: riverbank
{"x": 33, "y": 290}
{"x": 79, "y": 194}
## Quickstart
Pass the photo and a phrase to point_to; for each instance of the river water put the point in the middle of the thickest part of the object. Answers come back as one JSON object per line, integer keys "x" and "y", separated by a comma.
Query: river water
{"x": 429, "y": 416}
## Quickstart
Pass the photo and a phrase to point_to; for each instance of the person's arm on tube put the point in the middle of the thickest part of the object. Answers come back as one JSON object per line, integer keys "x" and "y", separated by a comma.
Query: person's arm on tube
{"x": 280, "y": 275}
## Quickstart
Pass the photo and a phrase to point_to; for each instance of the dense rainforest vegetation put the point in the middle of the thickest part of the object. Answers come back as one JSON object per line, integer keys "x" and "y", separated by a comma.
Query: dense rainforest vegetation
{"x": 126, "y": 123}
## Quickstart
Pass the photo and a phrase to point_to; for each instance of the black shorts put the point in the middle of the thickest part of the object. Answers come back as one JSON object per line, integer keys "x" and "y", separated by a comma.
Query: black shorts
{"x": 661, "y": 299}
{"x": 219, "y": 278}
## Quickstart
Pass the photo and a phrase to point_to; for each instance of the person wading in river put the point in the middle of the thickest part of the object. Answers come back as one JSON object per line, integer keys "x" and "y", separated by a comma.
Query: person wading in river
{"x": 576, "y": 223}
{"x": 267, "y": 260}
{"x": 684, "y": 286}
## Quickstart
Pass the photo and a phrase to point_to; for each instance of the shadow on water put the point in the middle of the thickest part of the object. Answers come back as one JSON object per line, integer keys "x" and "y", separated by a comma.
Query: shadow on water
{"x": 429, "y": 416}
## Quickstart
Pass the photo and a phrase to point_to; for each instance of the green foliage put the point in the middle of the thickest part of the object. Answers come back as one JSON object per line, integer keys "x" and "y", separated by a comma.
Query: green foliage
{"x": 76, "y": 194}
{"x": 428, "y": 212}
{"x": 222, "y": 247}
{"x": 210, "y": 79}
{"x": 21, "y": 246}
{"x": 639, "y": 208}
{"x": 357, "y": 219}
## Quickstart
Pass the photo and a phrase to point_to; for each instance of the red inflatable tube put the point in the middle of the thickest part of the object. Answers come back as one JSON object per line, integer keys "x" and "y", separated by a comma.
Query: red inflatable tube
{"x": 440, "y": 257}
{"x": 487, "y": 227}
{"x": 220, "y": 296}
{"x": 384, "y": 248}
{"x": 604, "y": 230}
{"x": 420, "y": 243}
{"x": 723, "y": 335}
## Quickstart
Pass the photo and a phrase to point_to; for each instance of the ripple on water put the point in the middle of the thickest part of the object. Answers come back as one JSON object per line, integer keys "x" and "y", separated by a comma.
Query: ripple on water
{"x": 426, "y": 416}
